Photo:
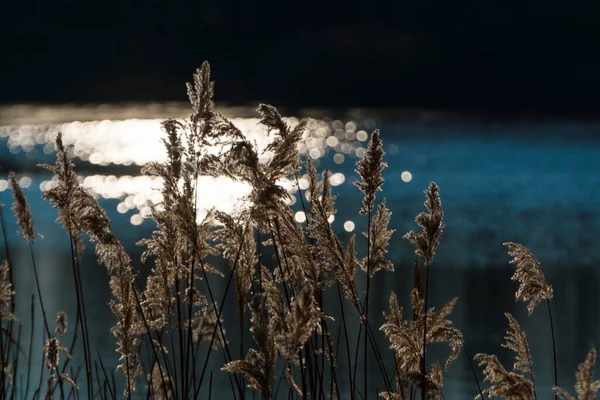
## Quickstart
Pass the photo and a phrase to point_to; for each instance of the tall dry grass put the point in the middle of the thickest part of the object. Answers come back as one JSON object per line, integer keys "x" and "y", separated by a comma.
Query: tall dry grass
{"x": 169, "y": 328}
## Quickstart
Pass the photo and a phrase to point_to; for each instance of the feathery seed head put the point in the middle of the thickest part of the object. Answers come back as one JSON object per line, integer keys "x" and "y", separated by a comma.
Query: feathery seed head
{"x": 532, "y": 283}
{"x": 370, "y": 168}
{"x": 585, "y": 386}
{"x": 22, "y": 210}
{"x": 201, "y": 92}
{"x": 428, "y": 240}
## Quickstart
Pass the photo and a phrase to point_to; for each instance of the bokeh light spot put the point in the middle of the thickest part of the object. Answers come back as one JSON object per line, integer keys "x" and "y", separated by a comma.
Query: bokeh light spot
{"x": 349, "y": 226}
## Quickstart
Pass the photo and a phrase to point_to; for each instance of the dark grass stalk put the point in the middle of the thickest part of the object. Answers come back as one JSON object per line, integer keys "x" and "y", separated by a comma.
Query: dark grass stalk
{"x": 37, "y": 284}
{"x": 81, "y": 315}
{"x": 175, "y": 378}
{"x": 16, "y": 361}
{"x": 379, "y": 358}
{"x": 73, "y": 341}
{"x": 182, "y": 366}
{"x": 220, "y": 310}
{"x": 98, "y": 384}
{"x": 243, "y": 383}
{"x": 339, "y": 290}
{"x": 279, "y": 381}
{"x": 139, "y": 391}
{"x": 149, "y": 359}
{"x": 210, "y": 380}
{"x": 308, "y": 358}
{"x": 159, "y": 336}
{"x": 366, "y": 311}
{"x": 225, "y": 348}
{"x": 287, "y": 297}
{"x": 78, "y": 291}
{"x": 332, "y": 371}
{"x": 346, "y": 340}
{"x": 279, "y": 264}
{"x": 73, "y": 392}
{"x": 106, "y": 380}
{"x": 32, "y": 321}
{"x": 356, "y": 351}
{"x": 189, "y": 350}
{"x": 337, "y": 344}
{"x": 423, "y": 359}
{"x": 149, "y": 333}
{"x": 83, "y": 325}
{"x": 113, "y": 380}
{"x": 553, "y": 347}
{"x": 318, "y": 371}
{"x": 472, "y": 369}
{"x": 301, "y": 361}
{"x": 39, "y": 389}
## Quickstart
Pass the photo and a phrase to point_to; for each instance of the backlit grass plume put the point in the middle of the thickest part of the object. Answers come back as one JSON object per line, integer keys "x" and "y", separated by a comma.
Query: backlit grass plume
{"x": 428, "y": 240}
{"x": 532, "y": 283}
{"x": 406, "y": 340}
{"x": 370, "y": 168}
{"x": 379, "y": 239}
{"x": 22, "y": 210}
{"x": 585, "y": 386}
{"x": 518, "y": 384}
{"x": 533, "y": 287}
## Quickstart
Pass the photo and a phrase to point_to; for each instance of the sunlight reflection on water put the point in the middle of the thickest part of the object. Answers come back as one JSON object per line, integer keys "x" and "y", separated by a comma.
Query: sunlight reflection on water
{"x": 129, "y": 142}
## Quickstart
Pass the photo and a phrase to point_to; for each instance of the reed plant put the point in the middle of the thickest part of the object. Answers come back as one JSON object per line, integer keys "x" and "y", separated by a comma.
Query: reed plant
{"x": 284, "y": 275}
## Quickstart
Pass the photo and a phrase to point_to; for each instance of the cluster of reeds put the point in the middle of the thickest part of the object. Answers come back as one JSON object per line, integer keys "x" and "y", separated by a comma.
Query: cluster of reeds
{"x": 168, "y": 328}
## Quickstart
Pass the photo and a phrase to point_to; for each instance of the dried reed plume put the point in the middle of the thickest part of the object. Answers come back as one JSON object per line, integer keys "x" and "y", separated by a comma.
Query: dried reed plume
{"x": 519, "y": 383}
{"x": 428, "y": 240}
{"x": 370, "y": 168}
{"x": 532, "y": 283}
{"x": 80, "y": 213}
{"x": 585, "y": 386}
{"x": 379, "y": 239}
{"x": 533, "y": 287}
{"x": 406, "y": 336}
{"x": 22, "y": 210}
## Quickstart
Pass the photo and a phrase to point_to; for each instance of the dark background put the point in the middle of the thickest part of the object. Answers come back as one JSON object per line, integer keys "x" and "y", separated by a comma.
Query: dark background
{"x": 508, "y": 56}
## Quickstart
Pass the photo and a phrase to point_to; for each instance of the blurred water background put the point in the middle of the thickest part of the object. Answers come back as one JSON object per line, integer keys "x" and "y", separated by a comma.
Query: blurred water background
{"x": 527, "y": 181}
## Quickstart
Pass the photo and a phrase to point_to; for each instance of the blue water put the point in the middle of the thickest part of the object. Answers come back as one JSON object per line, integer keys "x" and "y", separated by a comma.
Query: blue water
{"x": 533, "y": 183}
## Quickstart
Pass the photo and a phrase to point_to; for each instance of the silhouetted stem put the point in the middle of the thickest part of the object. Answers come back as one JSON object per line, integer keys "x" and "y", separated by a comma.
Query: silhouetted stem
{"x": 553, "y": 347}
{"x": 423, "y": 360}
